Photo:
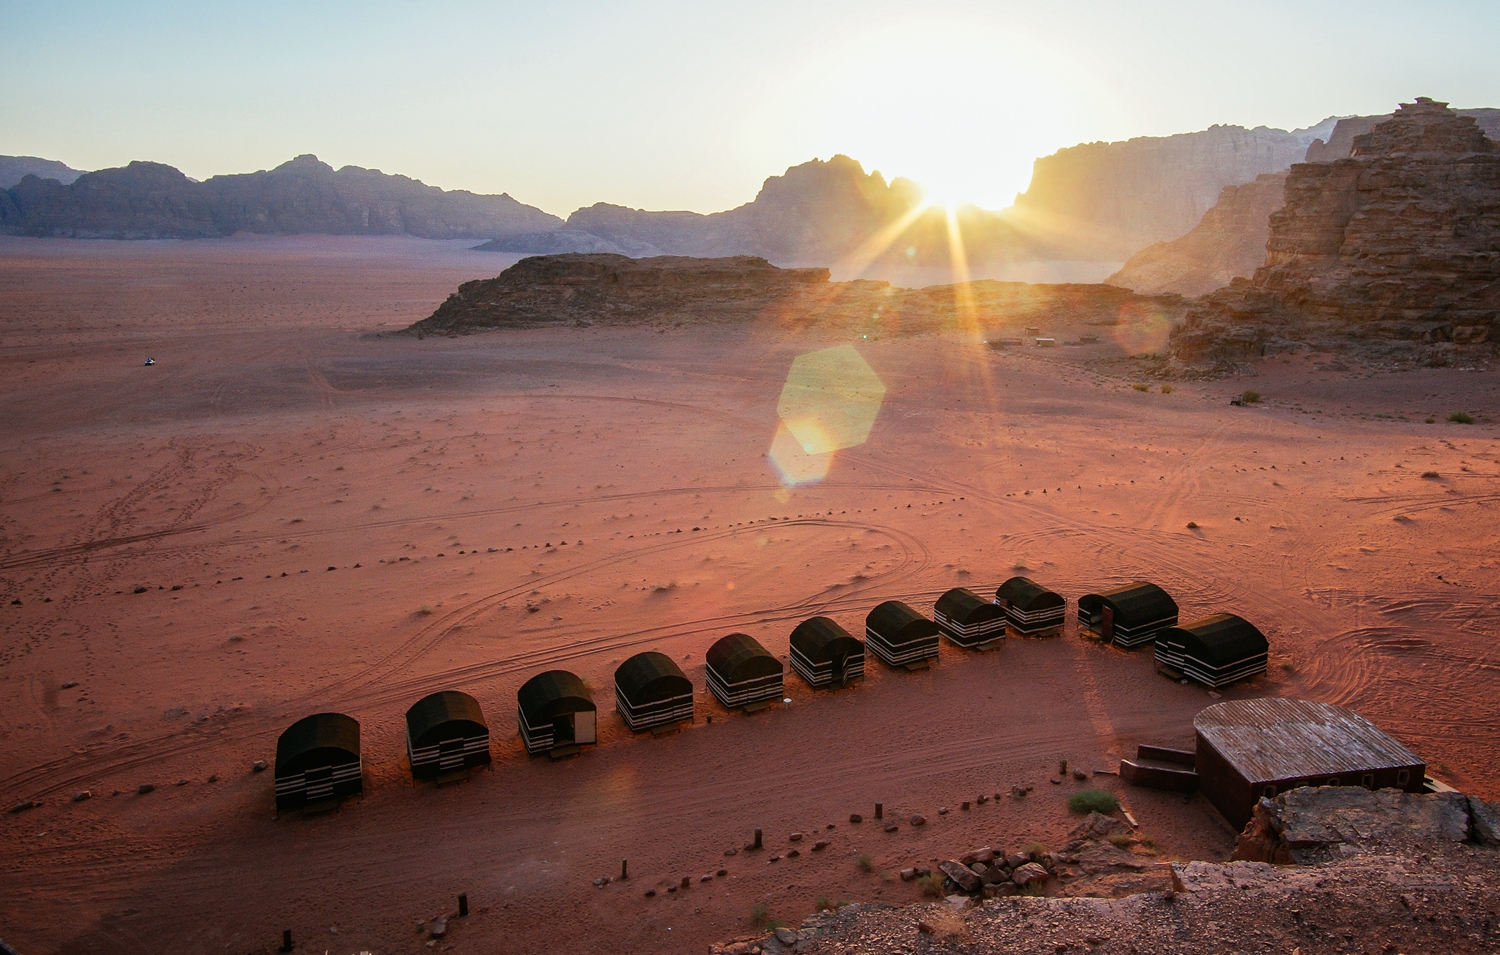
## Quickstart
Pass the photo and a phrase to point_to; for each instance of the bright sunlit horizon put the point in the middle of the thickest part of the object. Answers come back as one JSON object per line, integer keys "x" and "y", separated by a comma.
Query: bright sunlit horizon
{"x": 668, "y": 105}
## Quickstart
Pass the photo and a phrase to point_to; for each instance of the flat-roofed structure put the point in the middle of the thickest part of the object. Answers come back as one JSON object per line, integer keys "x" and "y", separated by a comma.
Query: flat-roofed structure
{"x": 1033, "y": 610}
{"x": 1127, "y": 616}
{"x": 1249, "y": 749}
{"x": 446, "y": 734}
{"x": 969, "y": 621}
{"x": 1215, "y": 651}
{"x": 825, "y": 654}
{"x": 742, "y": 673}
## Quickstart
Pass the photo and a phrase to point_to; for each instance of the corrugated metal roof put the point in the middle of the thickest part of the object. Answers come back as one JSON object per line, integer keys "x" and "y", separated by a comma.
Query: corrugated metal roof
{"x": 1274, "y": 739}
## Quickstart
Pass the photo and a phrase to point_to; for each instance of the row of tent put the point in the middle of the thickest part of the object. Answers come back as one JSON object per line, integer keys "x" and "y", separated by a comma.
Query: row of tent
{"x": 318, "y": 758}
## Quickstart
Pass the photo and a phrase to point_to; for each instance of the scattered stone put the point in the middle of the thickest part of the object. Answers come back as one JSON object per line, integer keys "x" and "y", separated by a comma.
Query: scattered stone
{"x": 957, "y": 902}
{"x": 794, "y": 853}
{"x": 1080, "y": 775}
{"x": 891, "y": 827}
{"x": 214, "y": 778}
{"x": 820, "y": 845}
{"x": 1029, "y": 873}
{"x": 925, "y": 927}
{"x": 979, "y": 869}
{"x": 731, "y": 851}
{"x": 722, "y": 873}
{"x": 672, "y": 888}
{"x": 650, "y": 893}
{"x": 70, "y": 684}
{"x": 786, "y": 936}
{"x": 942, "y": 810}
{"x": 600, "y": 883}
{"x": 1016, "y": 859}
{"x": 962, "y": 875}
{"x": 259, "y": 766}
{"x": 983, "y": 799}
{"x": 82, "y": 796}
{"x": 964, "y": 805}
{"x": 182, "y": 782}
{"x": 1055, "y": 781}
{"x": 139, "y": 589}
{"x": 439, "y": 928}
{"x": 774, "y": 859}
{"x": 856, "y": 817}
{"x": 919, "y": 820}
{"x": 23, "y": 805}
{"x": 908, "y": 874}
{"x": 796, "y": 837}
{"x": 145, "y": 788}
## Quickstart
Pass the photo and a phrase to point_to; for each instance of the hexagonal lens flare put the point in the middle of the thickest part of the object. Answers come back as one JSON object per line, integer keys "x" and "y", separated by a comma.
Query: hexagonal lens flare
{"x": 794, "y": 465}
{"x": 830, "y": 400}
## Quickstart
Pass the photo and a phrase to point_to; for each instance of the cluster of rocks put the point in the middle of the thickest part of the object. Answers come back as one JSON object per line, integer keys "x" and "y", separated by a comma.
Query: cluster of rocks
{"x": 992, "y": 874}
{"x": 1393, "y": 251}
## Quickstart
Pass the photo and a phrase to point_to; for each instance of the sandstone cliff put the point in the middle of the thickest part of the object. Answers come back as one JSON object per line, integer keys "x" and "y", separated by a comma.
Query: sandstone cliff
{"x": 1228, "y": 243}
{"x": 151, "y": 200}
{"x": 678, "y": 290}
{"x": 1110, "y": 200}
{"x": 1398, "y": 242}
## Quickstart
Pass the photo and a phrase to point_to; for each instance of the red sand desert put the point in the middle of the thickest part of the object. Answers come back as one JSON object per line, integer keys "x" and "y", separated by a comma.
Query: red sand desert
{"x": 324, "y": 519}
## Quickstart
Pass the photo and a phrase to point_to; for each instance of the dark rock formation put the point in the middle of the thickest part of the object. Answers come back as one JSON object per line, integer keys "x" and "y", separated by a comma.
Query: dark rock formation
{"x": 150, "y": 200}
{"x": 1228, "y": 243}
{"x": 565, "y": 242}
{"x": 677, "y": 290}
{"x": 1112, "y": 199}
{"x": 15, "y": 168}
{"x": 1399, "y": 242}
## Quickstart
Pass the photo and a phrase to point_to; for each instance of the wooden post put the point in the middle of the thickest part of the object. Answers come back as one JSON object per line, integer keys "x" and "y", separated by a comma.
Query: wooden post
{"x": 624, "y": 869}
{"x": 463, "y": 904}
{"x": 286, "y": 940}
{"x": 880, "y": 810}
{"x": 757, "y": 839}
{"x": 1062, "y": 767}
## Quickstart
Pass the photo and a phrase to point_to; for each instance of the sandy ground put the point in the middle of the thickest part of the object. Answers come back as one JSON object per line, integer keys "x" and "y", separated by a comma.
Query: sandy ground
{"x": 322, "y": 519}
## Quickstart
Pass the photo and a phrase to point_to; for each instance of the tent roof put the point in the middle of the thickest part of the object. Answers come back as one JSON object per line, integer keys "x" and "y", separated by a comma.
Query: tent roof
{"x": 549, "y": 695}
{"x": 445, "y": 706}
{"x": 1275, "y": 739}
{"x": 1219, "y": 640}
{"x": 894, "y": 619}
{"x": 820, "y": 639}
{"x": 740, "y": 656}
{"x": 641, "y": 671}
{"x": 1026, "y": 594}
{"x": 966, "y": 606}
{"x": 311, "y": 733}
{"x": 1137, "y": 602}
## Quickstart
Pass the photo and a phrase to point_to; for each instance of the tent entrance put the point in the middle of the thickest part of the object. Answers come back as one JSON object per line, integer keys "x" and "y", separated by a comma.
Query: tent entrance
{"x": 841, "y": 669}
{"x": 584, "y": 730}
{"x": 563, "y": 730}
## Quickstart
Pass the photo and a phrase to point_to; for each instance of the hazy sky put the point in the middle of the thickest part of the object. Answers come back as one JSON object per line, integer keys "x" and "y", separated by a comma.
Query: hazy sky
{"x": 690, "y": 105}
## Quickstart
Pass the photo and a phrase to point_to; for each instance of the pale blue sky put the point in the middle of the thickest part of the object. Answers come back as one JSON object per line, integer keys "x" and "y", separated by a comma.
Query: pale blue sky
{"x": 690, "y": 105}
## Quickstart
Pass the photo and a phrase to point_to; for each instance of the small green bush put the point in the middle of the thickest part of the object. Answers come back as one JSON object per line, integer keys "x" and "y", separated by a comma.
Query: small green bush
{"x": 1034, "y": 849}
{"x": 1093, "y": 800}
{"x": 864, "y": 862}
{"x": 1432, "y": 421}
{"x": 1431, "y": 475}
{"x": 1250, "y": 397}
{"x": 759, "y": 914}
{"x": 1119, "y": 840}
{"x": 932, "y": 884}
{"x": 1459, "y": 417}
{"x": 1166, "y": 389}
{"x": 1141, "y": 386}
{"x": 822, "y": 905}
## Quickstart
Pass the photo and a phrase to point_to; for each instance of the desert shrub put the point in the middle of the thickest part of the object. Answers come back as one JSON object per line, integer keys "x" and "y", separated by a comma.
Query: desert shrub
{"x": 1034, "y": 849}
{"x": 1250, "y": 397}
{"x": 1141, "y": 386}
{"x": 1432, "y": 421}
{"x": 864, "y": 862}
{"x": 1459, "y": 417}
{"x": 759, "y": 914}
{"x": 1192, "y": 525}
{"x": 1431, "y": 474}
{"x": 1093, "y": 800}
{"x": 822, "y": 905}
{"x": 932, "y": 884}
{"x": 1119, "y": 840}
{"x": 424, "y": 611}
{"x": 1166, "y": 389}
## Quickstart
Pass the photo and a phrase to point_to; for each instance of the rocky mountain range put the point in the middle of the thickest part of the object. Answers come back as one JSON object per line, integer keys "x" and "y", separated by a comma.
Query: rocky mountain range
{"x": 153, "y": 201}
{"x": 1397, "y": 242}
{"x": 15, "y": 168}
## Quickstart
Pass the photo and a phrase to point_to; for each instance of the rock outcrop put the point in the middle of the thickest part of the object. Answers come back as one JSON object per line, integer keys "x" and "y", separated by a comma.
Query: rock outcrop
{"x": 680, "y": 290}
{"x": 153, "y": 201}
{"x": 1398, "y": 243}
{"x": 1228, "y": 243}
{"x": 15, "y": 168}
{"x": 1110, "y": 200}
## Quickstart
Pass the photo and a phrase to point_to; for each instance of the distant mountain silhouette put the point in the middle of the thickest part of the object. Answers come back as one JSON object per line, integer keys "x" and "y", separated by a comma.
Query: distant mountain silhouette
{"x": 15, "y": 168}
{"x": 146, "y": 200}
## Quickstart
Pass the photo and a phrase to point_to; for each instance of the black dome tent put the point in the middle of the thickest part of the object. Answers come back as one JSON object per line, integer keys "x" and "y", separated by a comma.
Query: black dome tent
{"x": 446, "y": 734}
{"x": 825, "y": 654}
{"x": 968, "y": 621}
{"x": 317, "y": 761}
{"x": 1215, "y": 651}
{"x": 1033, "y": 610}
{"x": 556, "y": 713}
{"x": 651, "y": 692}
{"x": 1128, "y": 616}
{"x": 742, "y": 673}
{"x": 900, "y": 636}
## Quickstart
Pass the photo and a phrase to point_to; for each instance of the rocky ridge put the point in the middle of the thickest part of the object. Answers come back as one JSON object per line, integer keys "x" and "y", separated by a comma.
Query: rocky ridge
{"x": 603, "y": 289}
{"x": 15, "y": 168}
{"x": 154, "y": 201}
{"x": 1380, "y": 872}
{"x": 1399, "y": 243}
